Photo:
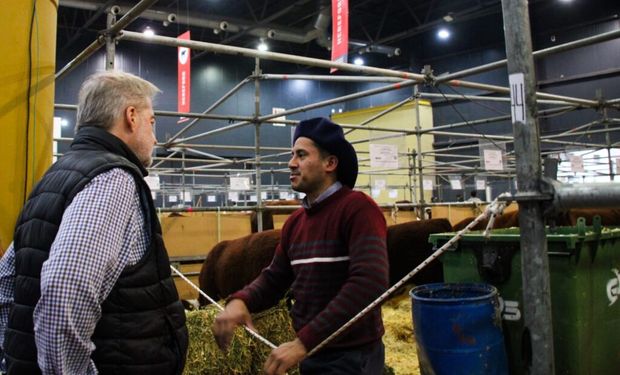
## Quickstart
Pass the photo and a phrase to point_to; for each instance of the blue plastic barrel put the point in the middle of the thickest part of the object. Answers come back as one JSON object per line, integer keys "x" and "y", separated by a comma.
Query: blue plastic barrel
{"x": 458, "y": 329}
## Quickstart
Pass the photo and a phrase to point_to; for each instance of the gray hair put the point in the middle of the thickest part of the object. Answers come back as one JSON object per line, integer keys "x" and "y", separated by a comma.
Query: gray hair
{"x": 104, "y": 97}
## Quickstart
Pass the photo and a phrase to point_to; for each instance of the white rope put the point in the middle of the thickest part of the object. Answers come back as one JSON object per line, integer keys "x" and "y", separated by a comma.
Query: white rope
{"x": 252, "y": 332}
{"x": 492, "y": 208}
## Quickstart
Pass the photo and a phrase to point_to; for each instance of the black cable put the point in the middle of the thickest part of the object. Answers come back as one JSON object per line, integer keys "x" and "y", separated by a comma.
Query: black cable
{"x": 465, "y": 120}
{"x": 28, "y": 93}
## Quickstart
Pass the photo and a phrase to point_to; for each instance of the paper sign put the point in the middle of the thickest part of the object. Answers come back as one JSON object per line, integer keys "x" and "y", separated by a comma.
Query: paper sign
{"x": 253, "y": 198}
{"x": 211, "y": 198}
{"x": 239, "y": 183}
{"x": 152, "y": 182}
{"x": 233, "y": 196}
{"x": 383, "y": 156}
{"x": 172, "y": 198}
{"x": 517, "y": 97}
{"x": 275, "y": 110}
{"x": 576, "y": 163}
{"x": 427, "y": 184}
{"x": 263, "y": 195}
{"x": 493, "y": 160}
{"x": 187, "y": 196}
{"x": 456, "y": 184}
{"x": 481, "y": 184}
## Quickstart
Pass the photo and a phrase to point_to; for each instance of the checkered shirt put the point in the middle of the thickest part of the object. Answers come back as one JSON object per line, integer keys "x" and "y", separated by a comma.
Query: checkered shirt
{"x": 102, "y": 232}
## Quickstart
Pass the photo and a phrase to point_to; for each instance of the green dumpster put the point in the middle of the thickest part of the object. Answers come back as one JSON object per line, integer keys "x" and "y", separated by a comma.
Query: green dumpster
{"x": 584, "y": 267}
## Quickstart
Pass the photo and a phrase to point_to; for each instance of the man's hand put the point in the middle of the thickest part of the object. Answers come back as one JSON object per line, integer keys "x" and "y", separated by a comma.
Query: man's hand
{"x": 284, "y": 357}
{"x": 235, "y": 313}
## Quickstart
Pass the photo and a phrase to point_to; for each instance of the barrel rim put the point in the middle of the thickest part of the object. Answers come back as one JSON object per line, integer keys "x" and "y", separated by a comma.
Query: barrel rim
{"x": 488, "y": 291}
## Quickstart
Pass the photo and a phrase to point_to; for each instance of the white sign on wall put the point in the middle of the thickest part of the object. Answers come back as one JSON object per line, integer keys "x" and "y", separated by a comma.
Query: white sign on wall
{"x": 239, "y": 183}
{"x": 379, "y": 184}
{"x": 152, "y": 182}
{"x": 576, "y": 163}
{"x": 481, "y": 184}
{"x": 427, "y": 184}
{"x": 493, "y": 160}
{"x": 172, "y": 198}
{"x": 455, "y": 183}
{"x": 383, "y": 156}
{"x": 211, "y": 198}
{"x": 233, "y": 196}
{"x": 187, "y": 196}
{"x": 393, "y": 193}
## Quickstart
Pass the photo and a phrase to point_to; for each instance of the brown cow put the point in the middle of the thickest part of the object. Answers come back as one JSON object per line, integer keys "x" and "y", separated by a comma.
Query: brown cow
{"x": 609, "y": 217}
{"x": 233, "y": 264}
{"x": 267, "y": 214}
{"x": 408, "y": 246}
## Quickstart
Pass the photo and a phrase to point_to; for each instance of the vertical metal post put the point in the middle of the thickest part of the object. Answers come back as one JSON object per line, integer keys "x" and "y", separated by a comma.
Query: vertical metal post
{"x": 535, "y": 262}
{"x": 259, "y": 206}
{"x": 110, "y": 42}
{"x": 418, "y": 128}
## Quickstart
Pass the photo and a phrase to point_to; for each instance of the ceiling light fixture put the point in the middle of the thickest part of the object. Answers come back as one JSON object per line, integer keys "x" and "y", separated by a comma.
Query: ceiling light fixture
{"x": 262, "y": 46}
{"x": 443, "y": 34}
{"x": 148, "y": 31}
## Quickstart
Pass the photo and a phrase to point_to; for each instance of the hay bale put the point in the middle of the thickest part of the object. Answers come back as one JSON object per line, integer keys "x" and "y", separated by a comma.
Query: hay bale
{"x": 400, "y": 348}
{"x": 246, "y": 355}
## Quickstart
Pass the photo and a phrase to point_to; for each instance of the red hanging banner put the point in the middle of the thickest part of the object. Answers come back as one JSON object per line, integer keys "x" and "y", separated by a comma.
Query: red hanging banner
{"x": 340, "y": 31}
{"x": 184, "y": 78}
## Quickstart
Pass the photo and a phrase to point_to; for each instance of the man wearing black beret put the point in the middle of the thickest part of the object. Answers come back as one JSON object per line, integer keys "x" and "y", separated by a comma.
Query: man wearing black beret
{"x": 332, "y": 256}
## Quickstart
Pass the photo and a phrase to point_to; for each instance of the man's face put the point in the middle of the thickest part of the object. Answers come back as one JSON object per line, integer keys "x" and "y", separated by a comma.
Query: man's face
{"x": 145, "y": 134}
{"x": 308, "y": 168}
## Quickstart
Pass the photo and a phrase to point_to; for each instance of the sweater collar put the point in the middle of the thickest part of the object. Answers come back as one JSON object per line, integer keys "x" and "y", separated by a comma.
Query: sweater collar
{"x": 95, "y": 138}
{"x": 317, "y": 206}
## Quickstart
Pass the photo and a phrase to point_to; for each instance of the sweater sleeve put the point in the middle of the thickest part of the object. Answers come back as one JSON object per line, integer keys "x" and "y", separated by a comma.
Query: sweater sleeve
{"x": 365, "y": 231}
{"x": 270, "y": 286}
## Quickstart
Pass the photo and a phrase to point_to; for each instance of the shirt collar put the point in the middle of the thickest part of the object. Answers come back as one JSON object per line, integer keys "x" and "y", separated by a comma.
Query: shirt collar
{"x": 324, "y": 195}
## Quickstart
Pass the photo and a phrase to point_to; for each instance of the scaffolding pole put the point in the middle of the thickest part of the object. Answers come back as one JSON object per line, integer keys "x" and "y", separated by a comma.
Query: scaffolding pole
{"x": 231, "y": 50}
{"x": 534, "y": 257}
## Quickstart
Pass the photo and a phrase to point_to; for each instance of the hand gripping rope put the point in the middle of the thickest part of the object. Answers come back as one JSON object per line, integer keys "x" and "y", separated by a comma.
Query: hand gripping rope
{"x": 250, "y": 331}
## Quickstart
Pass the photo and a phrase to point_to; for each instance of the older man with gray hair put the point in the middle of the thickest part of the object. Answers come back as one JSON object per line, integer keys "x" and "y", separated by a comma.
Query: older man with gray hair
{"x": 87, "y": 279}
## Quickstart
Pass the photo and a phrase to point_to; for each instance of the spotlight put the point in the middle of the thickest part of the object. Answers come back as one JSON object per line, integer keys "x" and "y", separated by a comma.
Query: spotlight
{"x": 443, "y": 34}
{"x": 358, "y": 61}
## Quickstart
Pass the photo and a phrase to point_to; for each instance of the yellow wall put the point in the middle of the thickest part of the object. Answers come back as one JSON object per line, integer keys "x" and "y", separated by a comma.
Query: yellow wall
{"x": 25, "y": 151}
{"x": 402, "y": 118}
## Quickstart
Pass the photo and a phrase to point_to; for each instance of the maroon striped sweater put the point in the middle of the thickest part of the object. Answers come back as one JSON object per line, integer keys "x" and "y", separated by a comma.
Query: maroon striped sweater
{"x": 333, "y": 257}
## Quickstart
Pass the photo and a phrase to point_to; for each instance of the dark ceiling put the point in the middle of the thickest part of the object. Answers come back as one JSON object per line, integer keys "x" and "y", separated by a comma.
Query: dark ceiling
{"x": 378, "y": 26}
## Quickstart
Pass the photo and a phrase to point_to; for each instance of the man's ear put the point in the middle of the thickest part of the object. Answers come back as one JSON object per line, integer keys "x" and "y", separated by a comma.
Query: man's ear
{"x": 331, "y": 163}
{"x": 131, "y": 118}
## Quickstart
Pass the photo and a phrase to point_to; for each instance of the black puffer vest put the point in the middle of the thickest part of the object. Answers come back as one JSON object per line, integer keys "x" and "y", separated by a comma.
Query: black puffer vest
{"x": 142, "y": 328}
